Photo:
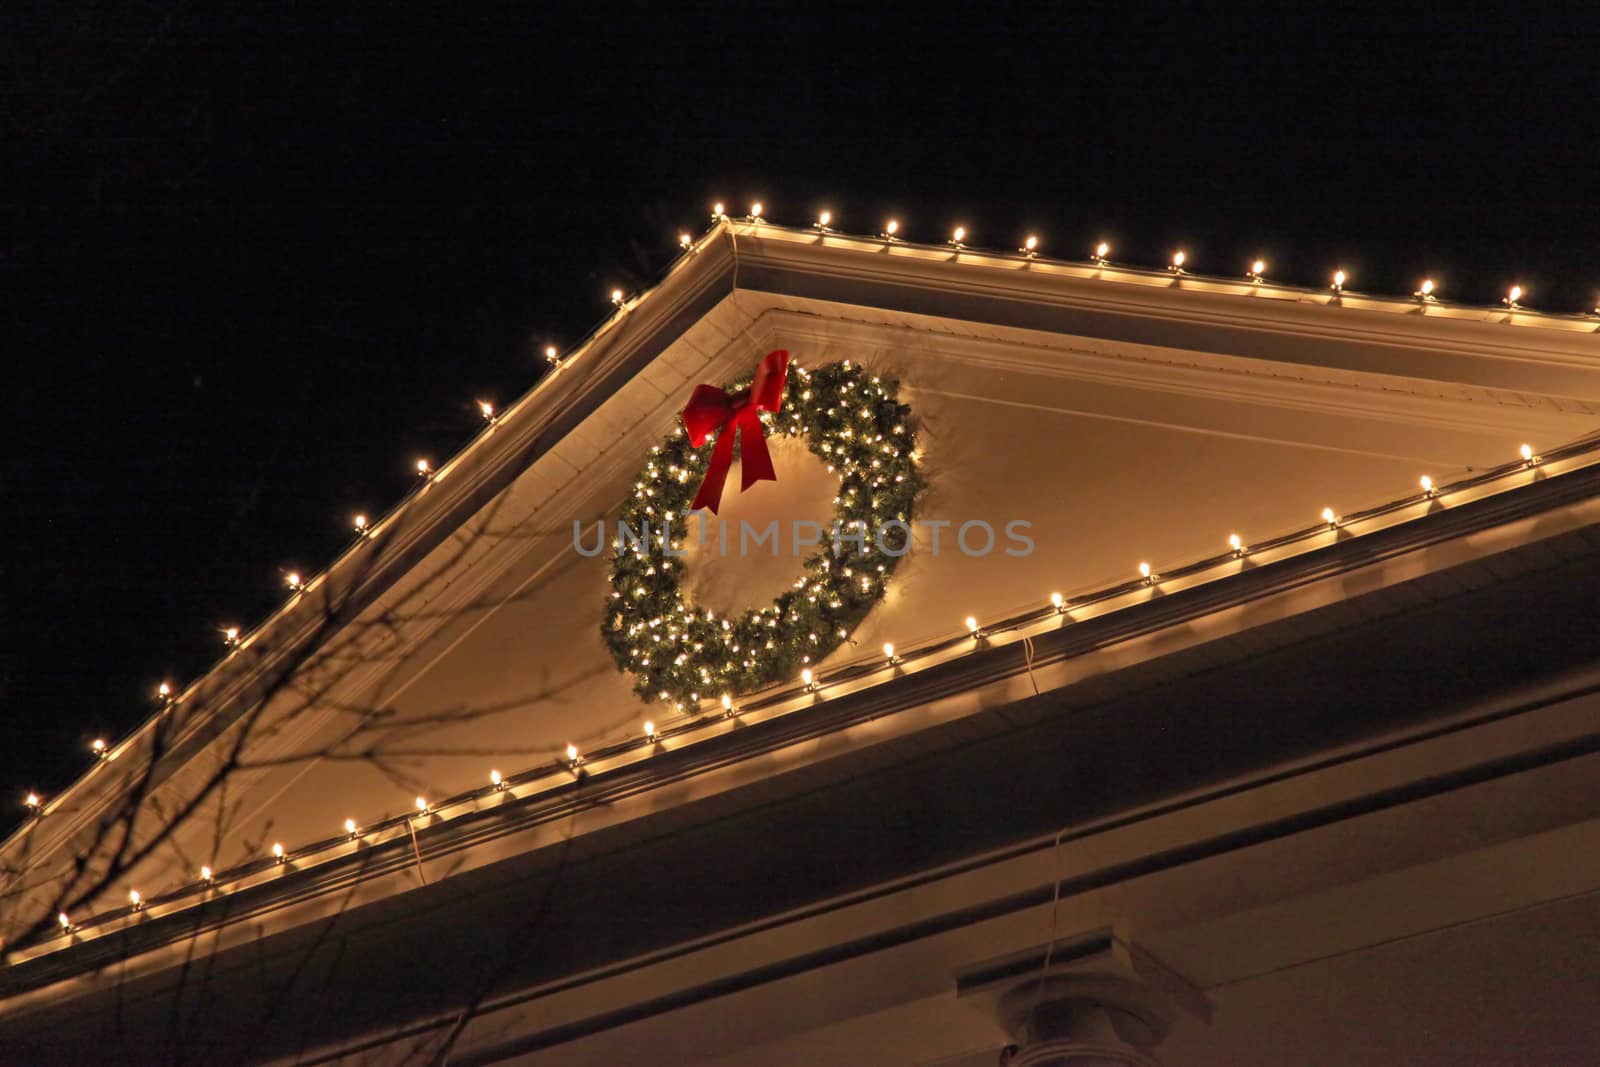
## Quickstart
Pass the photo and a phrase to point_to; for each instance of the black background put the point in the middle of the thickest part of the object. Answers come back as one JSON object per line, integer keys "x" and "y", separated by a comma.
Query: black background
{"x": 254, "y": 263}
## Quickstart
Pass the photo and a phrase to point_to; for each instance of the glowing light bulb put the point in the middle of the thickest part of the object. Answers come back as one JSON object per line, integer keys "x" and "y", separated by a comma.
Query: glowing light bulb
{"x": 1329, "y": 517}
{"x": 972, "y": 625}
{"x": 727, "y": 702}
{"x": 888, "y": 652}
{"x": 293, "y": 581}
{"x": 1513, "y": 297}
{"x": 1236, "y": 543}
{"x": 1427, "y": 484}
{"x": 31, "y": 801}
{"x": 755, "y": 210}
{"x": 1030, "y": 247}
{"x": 1144, "y": 571}
{"x": 572, "y": 750}
{"x": 1101, "y": 250}
{"x": 360, "y": 524}
{"x": 650, "y": 727}
{"x": 277, "y": 851}
{"x": 1178, "y": 259}
{"x": 824, "y": 220}
{"x": 1339, "y": 277}
{"x": 1527, "y": 454}
{"x": 99, "y": 746}
{"x": 424, "y": 468}
{"x": 66, "y": 923}
{"x": 807, "y": 679}
{"x": 135, "y": 899}
{"x": 164, "y": 691}
{"x": 422, "y": 805}
{"x": 350, "y": 827}
{"x": 552, "y": 356}
{"x": 496, "y": 781}
{"x": 616, "y": 297}
{"x": 1257, "y": 269}
{"x": 486, "y": 409}
{"x": 205, "y": 874}
{"x": 684, "y": 240}
{"x": 1427, "y": 287}
{"x": 230, "y": 635}
{"x": 717, "y": 212}
{"x": 957, "y": 236}
{"x": 1058, "y": 602}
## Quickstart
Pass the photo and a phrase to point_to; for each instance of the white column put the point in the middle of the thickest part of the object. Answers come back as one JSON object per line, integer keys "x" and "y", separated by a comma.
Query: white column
{"x": 1093, "y": 1001}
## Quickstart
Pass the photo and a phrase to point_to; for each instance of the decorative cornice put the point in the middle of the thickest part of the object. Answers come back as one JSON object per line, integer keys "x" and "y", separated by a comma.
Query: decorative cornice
{"x": 1348, "y": 394}
{"x": 1361, "y": 333}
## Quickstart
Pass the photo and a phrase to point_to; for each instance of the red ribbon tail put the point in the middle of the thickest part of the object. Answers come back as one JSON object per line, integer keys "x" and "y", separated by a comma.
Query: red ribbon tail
{"x": 755, "y": 462}
{"x": 710, "y": 494}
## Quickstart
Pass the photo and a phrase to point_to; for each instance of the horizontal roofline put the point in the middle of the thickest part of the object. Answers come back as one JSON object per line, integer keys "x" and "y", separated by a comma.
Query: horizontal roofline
{"x": 1238, "y": 285}
{"x": 785, "y": 716}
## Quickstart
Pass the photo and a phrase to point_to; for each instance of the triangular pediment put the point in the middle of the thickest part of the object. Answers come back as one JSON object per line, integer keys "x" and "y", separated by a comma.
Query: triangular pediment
{"x": 1070, "y": 425}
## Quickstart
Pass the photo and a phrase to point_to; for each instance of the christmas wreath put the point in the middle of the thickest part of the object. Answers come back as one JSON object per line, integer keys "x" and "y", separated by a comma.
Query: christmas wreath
{"x": 854, "y": 423}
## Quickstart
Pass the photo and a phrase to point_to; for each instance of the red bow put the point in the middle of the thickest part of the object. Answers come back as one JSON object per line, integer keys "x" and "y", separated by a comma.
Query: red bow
{"x": 711, "y": 411}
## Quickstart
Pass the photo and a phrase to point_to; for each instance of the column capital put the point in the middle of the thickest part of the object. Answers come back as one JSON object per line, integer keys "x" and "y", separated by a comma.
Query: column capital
{"x": 1085, "y": 1001}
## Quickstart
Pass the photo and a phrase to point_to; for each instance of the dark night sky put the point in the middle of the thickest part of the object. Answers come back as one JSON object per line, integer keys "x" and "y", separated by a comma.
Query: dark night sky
{"x": 253, "y": 265}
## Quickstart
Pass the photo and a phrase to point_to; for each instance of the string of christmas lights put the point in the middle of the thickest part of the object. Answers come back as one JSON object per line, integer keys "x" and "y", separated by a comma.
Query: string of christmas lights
{"x": 1255, "y": 273}
{"x": 792, "y": 699}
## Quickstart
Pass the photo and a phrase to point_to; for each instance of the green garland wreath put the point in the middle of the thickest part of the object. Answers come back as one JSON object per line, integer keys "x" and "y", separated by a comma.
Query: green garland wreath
{"x": 853, "y": 422}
